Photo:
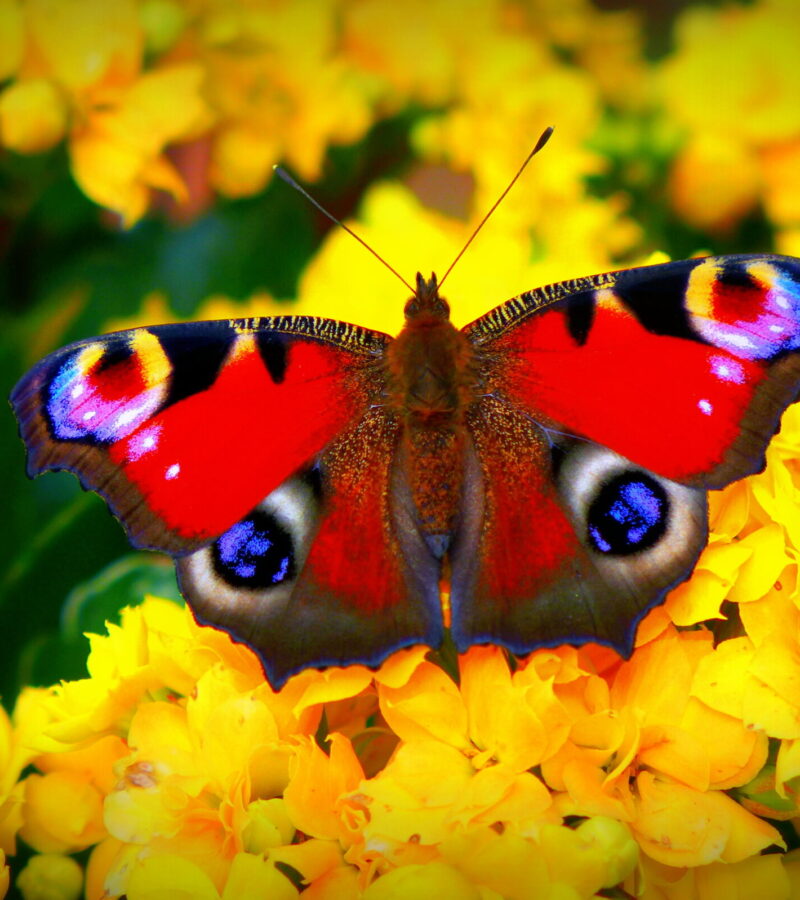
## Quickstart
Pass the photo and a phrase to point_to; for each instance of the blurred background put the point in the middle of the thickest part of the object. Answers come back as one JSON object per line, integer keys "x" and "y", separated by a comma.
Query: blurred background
{"x": 137, "y": 139}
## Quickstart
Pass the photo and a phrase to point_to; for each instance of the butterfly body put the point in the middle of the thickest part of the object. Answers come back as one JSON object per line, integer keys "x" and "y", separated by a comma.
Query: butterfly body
{"x": 314, "y": 480}
{"x": 432, "y": 379}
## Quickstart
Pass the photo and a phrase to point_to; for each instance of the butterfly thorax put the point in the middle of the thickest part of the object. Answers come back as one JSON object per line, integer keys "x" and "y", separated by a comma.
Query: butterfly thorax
{"x": 431, "y": 383}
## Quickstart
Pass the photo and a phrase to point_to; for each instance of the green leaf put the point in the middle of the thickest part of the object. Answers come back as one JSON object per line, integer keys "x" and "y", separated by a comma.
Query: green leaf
{"x": 125, "y": 582}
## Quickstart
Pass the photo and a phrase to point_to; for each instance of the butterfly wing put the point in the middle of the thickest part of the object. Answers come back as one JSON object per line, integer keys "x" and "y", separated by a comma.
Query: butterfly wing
{"x": 628, "y": 395}
{"x": 223, "y": 444}
{"x": 184, "y": 428}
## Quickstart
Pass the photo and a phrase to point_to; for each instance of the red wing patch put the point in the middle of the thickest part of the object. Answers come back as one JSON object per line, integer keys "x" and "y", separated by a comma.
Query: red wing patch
{"x": 203, "y": 463}
{"x": 683, "y": 369}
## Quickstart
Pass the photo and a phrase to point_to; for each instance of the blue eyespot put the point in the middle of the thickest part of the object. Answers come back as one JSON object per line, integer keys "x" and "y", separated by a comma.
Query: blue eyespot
{"x": 255, "y": 553}
{"x": 628, "y": 515}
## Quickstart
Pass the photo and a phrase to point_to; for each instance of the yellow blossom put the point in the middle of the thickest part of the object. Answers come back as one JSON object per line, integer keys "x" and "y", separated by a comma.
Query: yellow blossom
{"x": 760, "y": 876}
{"x": 731, "y": 85}
{"x": 340, "y": 883}
{"x": 427, "y": 882}
{"x": 781, "y": 192}
{"x": 754, "y": 685}
{"x": 117, "y": 155}
{"x": 102, "y": 858}
{"x": 715, "y": 182}
{"x": 167, "y": 877}
{"x": 11, "y": 37}
{"x": 743, "y": 58}
{"x": 87, "y": 46}
{"x": 33, "y": 116}
{"x": 50, "y": 877}
{"x": 444, "y": 784}
{"x": 62, "y": 813}
{"x": 680, "y": 826}
{"x": 317, "y": 782}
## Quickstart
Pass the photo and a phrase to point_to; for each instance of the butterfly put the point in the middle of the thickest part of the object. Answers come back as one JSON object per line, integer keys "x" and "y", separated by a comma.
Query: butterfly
{"x": 316, "y": 481}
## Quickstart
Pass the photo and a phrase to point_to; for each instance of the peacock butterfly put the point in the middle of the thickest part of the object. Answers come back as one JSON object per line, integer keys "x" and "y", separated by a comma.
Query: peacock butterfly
{"x": 315, "y": 480}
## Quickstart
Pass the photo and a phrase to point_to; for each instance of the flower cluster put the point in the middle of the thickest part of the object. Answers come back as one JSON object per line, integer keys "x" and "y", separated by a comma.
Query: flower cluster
{"x": 206, "y": 95}
{"x": 731, "y": 87}
{"x": 146, "y": 92}
{"x": 565, "y": 774}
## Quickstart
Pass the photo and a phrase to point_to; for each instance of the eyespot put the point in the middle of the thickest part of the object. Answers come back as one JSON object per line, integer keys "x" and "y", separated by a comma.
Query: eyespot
{"x": 106, "y": 389}
{"x": 255, "y": 563}
{"x": 643, "y": 532}
{"x": 629, "y": 514}
{"x": 257, "y": 552}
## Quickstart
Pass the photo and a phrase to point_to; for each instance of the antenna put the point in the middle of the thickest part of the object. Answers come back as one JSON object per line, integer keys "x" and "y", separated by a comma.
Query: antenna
{"x": 544, "y": 137}
{"x": 282, "y": 173}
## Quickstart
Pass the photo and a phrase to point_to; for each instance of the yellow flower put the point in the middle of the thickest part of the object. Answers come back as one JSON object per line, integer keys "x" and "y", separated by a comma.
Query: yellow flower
{"x": 733, "y": 72}
{"x": 383, "y": 38}
{"x": 198, "y": 765}
{"x": 79, "y": 74}
{"x": 14, "y": 757}
{"x": 88, "y": 47}
{"x": 317, "y": 783}
{"x": 63, "y": 813}
{"x": 164, "y": 877}
{"x": 12, "y": 32}
{"x": 781, "y": 164}
{"x": 33, "y": 116}
{"x": 731, "y": 85}
{"x": 117, "y": 155}
{"x": 427, "y": 882}
{"x": 715, "y": 182}
{"x": 681, "y": 826}
{"x": 760, "y": 876}
{"x": 289, "y": 96}
{"x": 51, "y": 877}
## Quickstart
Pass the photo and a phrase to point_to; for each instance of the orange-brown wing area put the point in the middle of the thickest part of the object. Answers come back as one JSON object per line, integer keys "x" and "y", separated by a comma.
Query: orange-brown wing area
{"x": 546, "y": 553}
{"x": 683, "y": 368}
{"x": 184, "y": 428}
{"x": 330, "y": 569}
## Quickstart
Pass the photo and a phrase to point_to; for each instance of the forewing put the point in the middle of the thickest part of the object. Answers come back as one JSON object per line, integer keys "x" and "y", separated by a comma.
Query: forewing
{"x": 185, "y": 428}
{"x": 683, "y": 368}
